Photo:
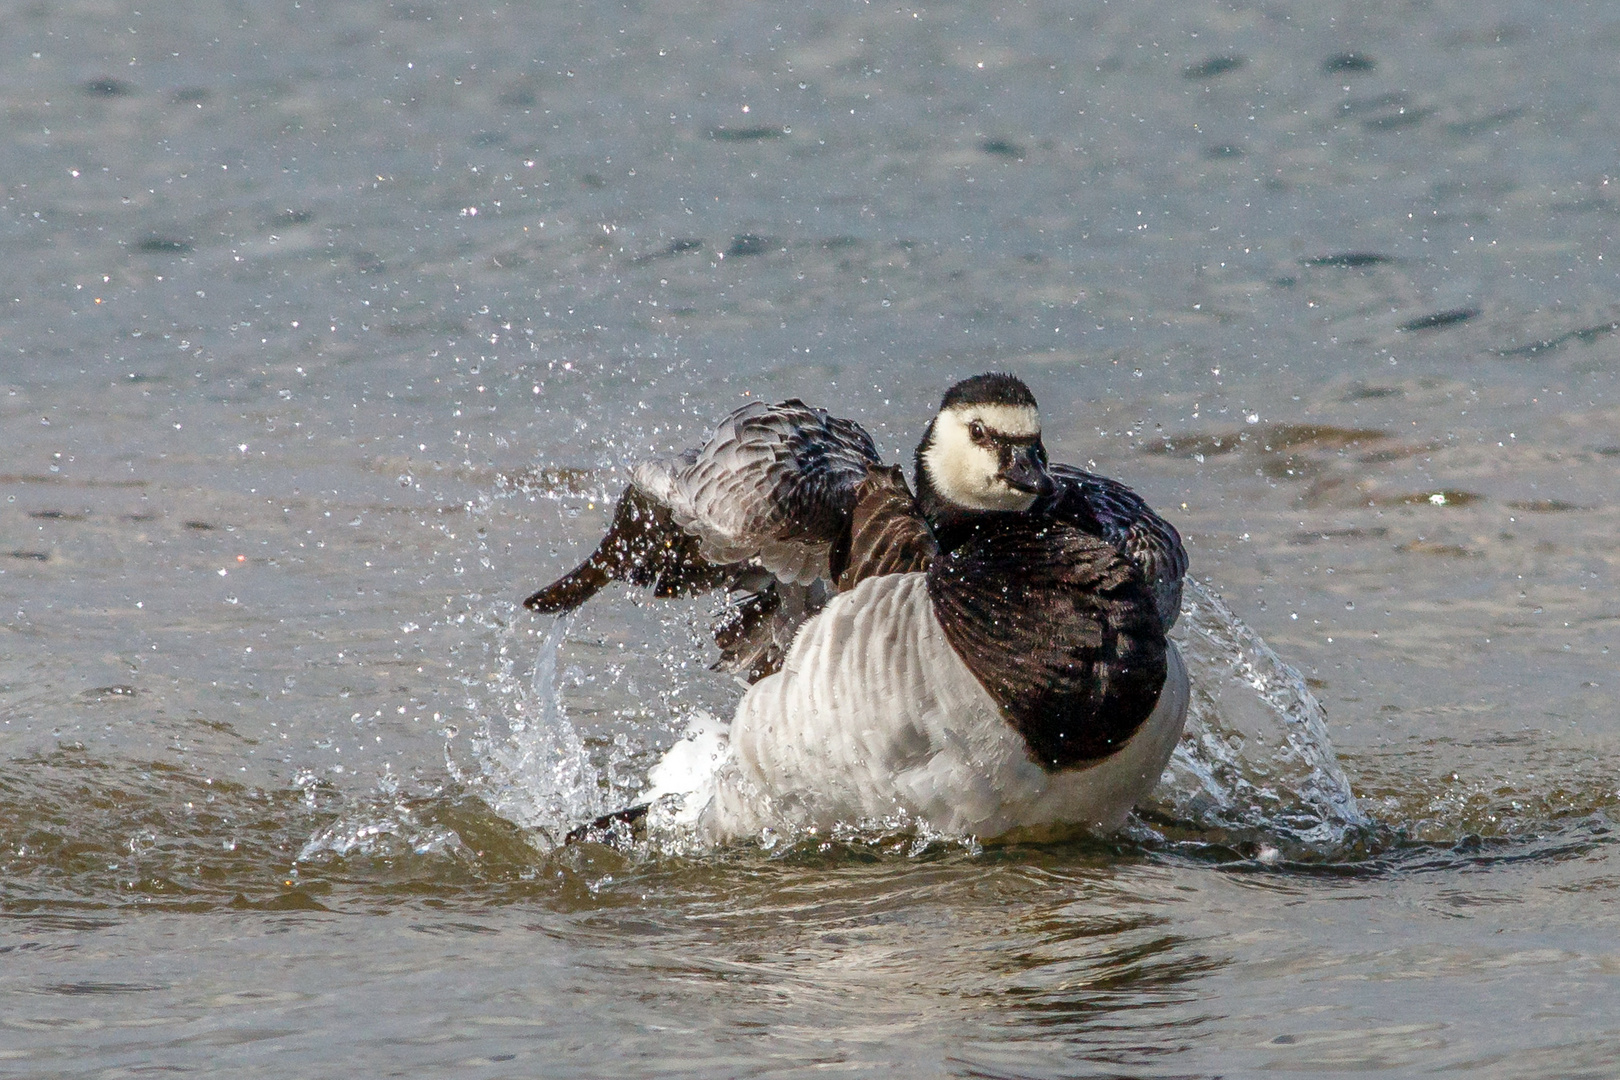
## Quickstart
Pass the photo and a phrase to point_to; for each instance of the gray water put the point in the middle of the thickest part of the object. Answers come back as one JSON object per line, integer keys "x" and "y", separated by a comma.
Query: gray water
{"x": 331, "y": 330}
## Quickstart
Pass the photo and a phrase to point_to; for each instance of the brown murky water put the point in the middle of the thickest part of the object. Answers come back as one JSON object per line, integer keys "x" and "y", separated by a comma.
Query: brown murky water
{"x": 330, "y": 331}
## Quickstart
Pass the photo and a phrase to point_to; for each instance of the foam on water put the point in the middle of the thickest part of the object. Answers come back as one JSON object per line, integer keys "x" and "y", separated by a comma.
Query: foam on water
{"x": 382, "y": 825}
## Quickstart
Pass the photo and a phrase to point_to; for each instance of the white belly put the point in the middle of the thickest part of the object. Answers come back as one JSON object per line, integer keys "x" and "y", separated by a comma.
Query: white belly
{"x": 874, "y": 717}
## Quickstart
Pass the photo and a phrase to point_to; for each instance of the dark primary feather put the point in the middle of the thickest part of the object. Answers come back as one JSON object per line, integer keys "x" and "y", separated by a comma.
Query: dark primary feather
{"x": 756, "y": 626}
{"x": 643, "y": 547}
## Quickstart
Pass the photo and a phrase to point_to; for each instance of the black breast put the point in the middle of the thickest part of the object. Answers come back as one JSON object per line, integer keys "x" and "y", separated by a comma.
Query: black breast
{"x": 1060, "y": 628}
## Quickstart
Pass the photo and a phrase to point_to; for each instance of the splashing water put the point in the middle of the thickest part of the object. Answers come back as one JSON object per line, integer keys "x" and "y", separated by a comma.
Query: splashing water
{"x": 383, "y": 823}
{"x": 532, "y": 766}
{"x": 528, "y": 764}
{"x": 381, "y": 826}
{"x": 1255, "y": 755}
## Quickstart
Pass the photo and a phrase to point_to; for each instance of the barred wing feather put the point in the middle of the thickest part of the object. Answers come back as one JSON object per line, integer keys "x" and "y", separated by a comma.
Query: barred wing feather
{"x": 775, "y": 483}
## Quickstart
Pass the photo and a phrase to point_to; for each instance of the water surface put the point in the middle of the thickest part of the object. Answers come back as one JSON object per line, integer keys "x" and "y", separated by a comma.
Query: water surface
{"x": 332, "y": 331}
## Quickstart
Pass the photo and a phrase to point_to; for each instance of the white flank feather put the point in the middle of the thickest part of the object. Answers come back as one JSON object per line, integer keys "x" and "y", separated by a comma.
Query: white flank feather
{"x": 873, "y": 716}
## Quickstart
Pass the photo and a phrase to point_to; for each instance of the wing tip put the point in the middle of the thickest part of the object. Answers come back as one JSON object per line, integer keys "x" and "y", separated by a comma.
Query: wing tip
{"x": 568, "y": 592}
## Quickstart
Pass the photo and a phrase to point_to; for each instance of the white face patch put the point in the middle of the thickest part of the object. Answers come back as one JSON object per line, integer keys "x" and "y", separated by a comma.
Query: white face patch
{"x": 1013, "y": 421}
{"x": 963, "y": 471}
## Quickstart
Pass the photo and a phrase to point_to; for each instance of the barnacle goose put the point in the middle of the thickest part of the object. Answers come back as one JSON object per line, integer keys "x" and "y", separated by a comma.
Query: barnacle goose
{"x": 984, "y": 657}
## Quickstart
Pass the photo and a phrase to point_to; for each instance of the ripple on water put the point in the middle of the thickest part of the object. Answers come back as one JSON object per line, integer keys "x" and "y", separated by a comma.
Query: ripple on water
{"x": 1255, "y": 779}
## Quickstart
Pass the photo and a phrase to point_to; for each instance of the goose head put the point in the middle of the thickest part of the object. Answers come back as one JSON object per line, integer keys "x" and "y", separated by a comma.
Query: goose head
{"x": 982, "y": 451}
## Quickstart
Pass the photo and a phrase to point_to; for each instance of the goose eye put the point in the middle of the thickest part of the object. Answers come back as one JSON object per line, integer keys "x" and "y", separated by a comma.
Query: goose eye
{"x": 976, "y": 430}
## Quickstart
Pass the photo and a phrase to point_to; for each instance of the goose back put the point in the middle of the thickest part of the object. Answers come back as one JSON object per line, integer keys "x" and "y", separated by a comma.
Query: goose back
{"x": 1107, "y": 508}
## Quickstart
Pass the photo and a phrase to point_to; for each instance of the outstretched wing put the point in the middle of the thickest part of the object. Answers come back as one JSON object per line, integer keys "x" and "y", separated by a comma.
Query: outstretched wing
{"x": 884, "y": 533}
{"x": 1109, "y": 509}
{"x": 775, "y": 485}
{"x": 782, "y": 506}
